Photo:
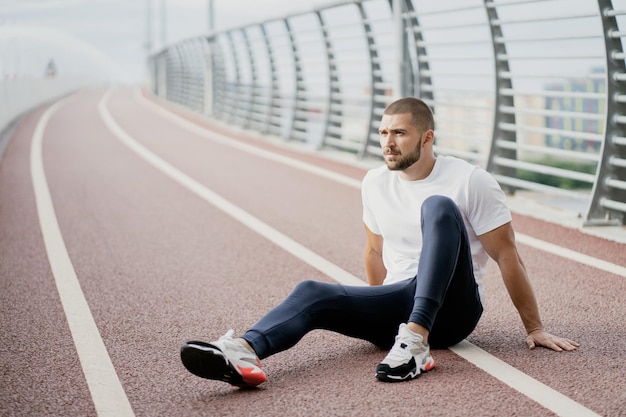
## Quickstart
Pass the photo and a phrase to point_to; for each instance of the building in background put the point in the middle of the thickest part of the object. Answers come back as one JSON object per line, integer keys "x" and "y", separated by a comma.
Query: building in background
{"x": 591, "y": 104}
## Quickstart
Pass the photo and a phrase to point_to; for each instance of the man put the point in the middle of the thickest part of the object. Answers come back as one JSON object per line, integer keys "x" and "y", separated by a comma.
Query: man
{"x": 431, "y": 225}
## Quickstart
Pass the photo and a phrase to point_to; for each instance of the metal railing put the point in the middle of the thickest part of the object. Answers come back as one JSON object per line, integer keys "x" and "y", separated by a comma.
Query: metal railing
{"x": 532, "y": 90}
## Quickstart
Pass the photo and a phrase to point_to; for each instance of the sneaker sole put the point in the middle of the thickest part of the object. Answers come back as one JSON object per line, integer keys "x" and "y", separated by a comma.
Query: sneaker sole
{"x": 207, "y": 361}
{"x": 412, "y": 374}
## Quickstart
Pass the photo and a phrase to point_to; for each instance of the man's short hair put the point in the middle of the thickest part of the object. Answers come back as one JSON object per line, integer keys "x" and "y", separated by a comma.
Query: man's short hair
{"x": 421, "y": 114}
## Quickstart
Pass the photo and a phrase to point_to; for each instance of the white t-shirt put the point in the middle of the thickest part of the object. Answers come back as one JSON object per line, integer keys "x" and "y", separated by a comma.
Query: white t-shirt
{"x": 392, "y": 208}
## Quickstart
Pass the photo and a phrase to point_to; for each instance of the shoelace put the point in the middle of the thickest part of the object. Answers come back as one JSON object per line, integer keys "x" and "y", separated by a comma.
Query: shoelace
{"x": 399, "y": 352}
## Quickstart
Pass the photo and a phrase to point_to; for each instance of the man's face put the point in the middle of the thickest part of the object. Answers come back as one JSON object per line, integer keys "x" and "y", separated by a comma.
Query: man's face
{"x": 400, "y": 140}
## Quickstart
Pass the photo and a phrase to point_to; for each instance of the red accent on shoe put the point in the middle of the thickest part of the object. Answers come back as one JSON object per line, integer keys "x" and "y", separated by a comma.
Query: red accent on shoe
{"x": 252, "y": 376}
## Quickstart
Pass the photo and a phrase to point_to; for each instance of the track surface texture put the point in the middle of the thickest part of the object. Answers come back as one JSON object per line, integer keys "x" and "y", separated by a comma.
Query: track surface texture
{"x": 159, "y": 263}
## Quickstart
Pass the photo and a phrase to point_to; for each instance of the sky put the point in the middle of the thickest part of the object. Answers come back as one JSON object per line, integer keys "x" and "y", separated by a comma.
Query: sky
{"x": 108, "y": 38}
{"x": 112, "y": 34}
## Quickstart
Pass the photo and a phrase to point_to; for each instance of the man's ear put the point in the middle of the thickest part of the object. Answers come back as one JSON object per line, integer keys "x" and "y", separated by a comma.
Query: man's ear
{"x": 428, "y": 137}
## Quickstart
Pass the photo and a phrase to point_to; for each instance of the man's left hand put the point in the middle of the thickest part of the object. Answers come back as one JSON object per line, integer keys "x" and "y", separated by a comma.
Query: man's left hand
{"x": 547, "y": 340}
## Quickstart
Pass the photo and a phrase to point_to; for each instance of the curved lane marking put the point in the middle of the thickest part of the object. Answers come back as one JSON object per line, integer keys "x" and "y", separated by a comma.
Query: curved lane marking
{"x": 221, "y": 203}
{"x": 571, "y": 255}
{"x": 225, "y": 140}
{"x": 104, "y": 385}
{"x": 551, "y": 399}
{"x": 528, "y": 386}
{"x": 351, "y": 182}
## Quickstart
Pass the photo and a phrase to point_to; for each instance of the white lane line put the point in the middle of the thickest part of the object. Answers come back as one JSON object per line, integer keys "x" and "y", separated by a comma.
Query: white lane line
{"x": 571, "y": 255}
{"x": 225, "y": 140}
{"x": 351, "y": 182}
{"x": 209, "y": 196}
{"x": 527, "y": 385}
{"x": 106, "y": 390}
{"x": 553, "y": 400}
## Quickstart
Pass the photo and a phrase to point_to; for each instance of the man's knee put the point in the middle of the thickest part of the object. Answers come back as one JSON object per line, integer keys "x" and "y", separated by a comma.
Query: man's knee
{"x": 439, "y": 207}
{"x": 313, "y": 290}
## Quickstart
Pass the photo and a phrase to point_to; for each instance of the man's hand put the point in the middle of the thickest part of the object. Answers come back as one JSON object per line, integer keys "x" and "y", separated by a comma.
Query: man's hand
{"x": 547, "y": 340}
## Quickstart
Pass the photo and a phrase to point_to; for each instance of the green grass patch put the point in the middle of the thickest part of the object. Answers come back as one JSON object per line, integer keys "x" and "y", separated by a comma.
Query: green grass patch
{"x": 556, "y": 181}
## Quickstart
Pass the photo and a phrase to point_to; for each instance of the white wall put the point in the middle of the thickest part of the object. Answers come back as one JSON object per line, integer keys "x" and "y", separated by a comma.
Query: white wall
{"x": 18, "y": 96}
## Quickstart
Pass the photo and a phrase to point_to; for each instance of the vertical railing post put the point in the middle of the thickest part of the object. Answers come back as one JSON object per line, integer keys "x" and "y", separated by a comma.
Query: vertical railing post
{"x": 220, "y": 82}
{"x": 159, "y": 74}
{"x": 296, "y": 132}
{"x": 608, "y": 202}
{"x": 209, "y": 77}
{"x": 173, "y": 74}
{"x": 503, "y": 97}
{"x": 377, "y": 95}
{"x": 223, "y": 90}
{"x": 163, "y": 70}
{"x": 234, "y": 101}
{"x": 182, "y": 75}
{"x": 273, "y": 92}
{"x": 197, "y": 51}
{"x": 398, "y": 89}
{"x": 417, "y": 73}
{"x": 333, "y": 114}
{"x": 252, "y": 99}
{"x": 180, "y": 78}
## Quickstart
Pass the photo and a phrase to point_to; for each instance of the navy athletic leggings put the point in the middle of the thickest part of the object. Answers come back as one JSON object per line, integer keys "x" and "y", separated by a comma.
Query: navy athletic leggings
{"x": 443, "y": 297}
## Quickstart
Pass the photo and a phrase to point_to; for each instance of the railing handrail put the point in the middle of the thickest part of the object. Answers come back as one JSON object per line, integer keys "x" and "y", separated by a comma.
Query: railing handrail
{"x": 551, "y": 103}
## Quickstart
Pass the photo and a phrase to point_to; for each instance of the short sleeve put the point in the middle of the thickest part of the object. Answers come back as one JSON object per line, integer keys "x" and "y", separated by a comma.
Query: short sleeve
{"x": 368, "y": 216}
{"x": 488, "y": 209}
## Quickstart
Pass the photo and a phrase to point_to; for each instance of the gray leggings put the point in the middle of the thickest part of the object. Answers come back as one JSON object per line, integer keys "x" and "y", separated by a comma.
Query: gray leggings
{"x": 443, "y": 297}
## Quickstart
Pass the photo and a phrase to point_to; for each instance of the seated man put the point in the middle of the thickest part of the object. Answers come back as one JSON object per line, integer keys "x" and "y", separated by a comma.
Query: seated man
{"x": 431, "y": 225}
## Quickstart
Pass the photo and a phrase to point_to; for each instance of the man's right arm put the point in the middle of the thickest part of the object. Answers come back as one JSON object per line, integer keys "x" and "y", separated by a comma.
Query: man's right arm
{"x": 374, "y": 267}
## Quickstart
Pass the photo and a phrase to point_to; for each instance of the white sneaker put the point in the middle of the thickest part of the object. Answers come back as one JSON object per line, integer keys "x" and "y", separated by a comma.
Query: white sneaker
{"x": 408, "y": 358}
{"x": 224, "y": 360}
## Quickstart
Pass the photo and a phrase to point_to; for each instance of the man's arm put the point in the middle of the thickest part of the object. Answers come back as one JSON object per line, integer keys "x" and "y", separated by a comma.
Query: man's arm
{"x": 374, "y": 267}
{"x": 500, "y": 245}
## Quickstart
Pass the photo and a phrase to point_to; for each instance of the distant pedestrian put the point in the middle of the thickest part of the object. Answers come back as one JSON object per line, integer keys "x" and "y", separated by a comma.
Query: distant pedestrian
{"x": 431, "y": 222}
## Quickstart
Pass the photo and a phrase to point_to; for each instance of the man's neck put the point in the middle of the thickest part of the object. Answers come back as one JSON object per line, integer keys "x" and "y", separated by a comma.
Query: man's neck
{"x": 419, "y": 170}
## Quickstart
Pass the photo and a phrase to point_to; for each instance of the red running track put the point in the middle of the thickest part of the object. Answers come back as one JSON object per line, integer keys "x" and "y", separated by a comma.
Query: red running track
{"x": 176, "y": 229}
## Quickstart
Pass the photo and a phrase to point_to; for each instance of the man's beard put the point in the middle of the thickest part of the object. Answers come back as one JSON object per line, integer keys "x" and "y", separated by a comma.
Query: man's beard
{"x": 405, "y": 161}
